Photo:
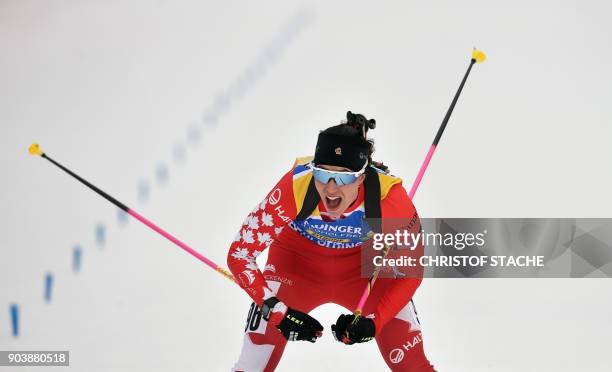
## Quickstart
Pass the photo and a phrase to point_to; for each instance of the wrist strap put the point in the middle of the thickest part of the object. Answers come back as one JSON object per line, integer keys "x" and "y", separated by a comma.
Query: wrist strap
{"x": 267, "y": 306}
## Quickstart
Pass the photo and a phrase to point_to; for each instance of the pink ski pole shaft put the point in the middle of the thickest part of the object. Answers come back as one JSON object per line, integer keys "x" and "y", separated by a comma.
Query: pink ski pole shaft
{"x": 35, "y": 150}
{"x": 477, "y": 56}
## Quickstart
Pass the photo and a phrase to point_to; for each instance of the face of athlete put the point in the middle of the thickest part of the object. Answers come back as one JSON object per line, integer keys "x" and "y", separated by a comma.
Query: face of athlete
{"x": 337, "y": 198}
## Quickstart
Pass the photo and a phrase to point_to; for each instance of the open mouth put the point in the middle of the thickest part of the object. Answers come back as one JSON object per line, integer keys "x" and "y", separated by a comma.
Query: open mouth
{"x": 332, "y": 202}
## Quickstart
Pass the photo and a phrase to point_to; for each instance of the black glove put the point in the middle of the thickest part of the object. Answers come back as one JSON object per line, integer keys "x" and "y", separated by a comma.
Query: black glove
{"x": 295, "y": 325}
{"x": 347, "y": 332}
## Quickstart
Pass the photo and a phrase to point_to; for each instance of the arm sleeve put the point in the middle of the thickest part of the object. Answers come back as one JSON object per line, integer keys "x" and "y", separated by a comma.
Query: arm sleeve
{"x": 397, "y": 204}
{"x": 258, "y": 231}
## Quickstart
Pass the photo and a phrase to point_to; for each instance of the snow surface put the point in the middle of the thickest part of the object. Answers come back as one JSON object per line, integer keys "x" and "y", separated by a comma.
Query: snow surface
{"x": 117, "y": 91}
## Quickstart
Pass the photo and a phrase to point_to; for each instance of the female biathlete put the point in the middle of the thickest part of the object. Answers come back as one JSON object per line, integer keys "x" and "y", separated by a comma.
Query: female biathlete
{"x": 313, "y": 222}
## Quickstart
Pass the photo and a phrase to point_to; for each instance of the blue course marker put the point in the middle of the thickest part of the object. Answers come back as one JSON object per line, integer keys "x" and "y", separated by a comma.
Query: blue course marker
{"x": 239, "y": 88}
{"x": 178, "y": 153}
{"x": 223, "y": 102}
{"x": 76, "y": 258}
{"x": 122, "y": 217}
{"x": 194, "y": 135}
{"x": 249, "y": 76}
{"x": 48, "y": 287}
{"x": 100, "y": 235}
{"x": 161, "y": 174}
{"x": 143, "y": 191}
{"x": 14, "y": 309}
{"x": 211, "y": 118}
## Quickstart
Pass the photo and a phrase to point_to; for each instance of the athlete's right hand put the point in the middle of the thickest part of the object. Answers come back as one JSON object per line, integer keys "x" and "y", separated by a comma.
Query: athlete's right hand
{"x": 299, "y": 326}
{"x": 295, "y": 325}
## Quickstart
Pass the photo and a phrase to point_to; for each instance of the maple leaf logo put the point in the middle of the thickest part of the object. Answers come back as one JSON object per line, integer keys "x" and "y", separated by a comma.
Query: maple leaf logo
{"x": 263, "y": 238}
{"x": 252, "y": 265}
{"x": 247, "y": 236}
{"x": 267, "y": 219}
{"x": 253, "y": 222}
{"x": 241, "y": 253}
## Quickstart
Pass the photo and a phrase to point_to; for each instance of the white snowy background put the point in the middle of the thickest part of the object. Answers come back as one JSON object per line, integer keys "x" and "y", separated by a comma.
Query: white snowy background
{"x": 116, "y": 90}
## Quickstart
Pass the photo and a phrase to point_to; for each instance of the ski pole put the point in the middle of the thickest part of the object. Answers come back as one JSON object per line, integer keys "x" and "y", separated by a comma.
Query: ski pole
{"x": 477, "y": 57}
{"x": 36, "y": 151}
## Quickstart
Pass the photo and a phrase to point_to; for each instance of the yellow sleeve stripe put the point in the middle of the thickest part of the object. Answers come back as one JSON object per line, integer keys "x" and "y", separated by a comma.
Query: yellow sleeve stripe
{"x": 300, "y": 186}
{"x": 386, "y": 182}
{"x": 302, "y": 160}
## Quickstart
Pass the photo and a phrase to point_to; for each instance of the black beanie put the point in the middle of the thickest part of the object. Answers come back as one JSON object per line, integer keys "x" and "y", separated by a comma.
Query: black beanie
{"x": 342, "y": 151}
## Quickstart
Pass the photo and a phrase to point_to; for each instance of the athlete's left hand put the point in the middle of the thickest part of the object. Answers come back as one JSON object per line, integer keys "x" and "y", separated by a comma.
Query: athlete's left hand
{"x": 349, "y": 331}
